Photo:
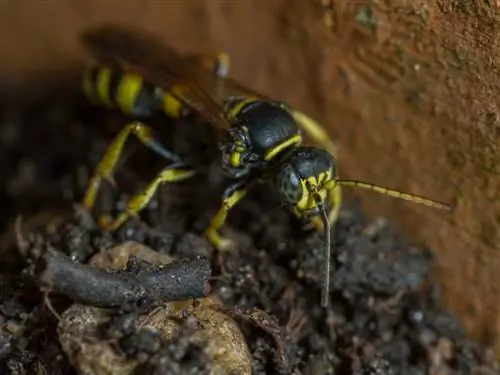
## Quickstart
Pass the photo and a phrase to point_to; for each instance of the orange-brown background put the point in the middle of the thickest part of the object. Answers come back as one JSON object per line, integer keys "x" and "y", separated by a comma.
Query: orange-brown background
{"x": 409, "y": 88}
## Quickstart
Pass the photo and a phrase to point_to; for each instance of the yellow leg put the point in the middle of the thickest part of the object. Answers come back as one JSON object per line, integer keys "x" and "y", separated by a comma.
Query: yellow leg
{"x": 231, "y": 197}
{"x": 107, "y": 165}
{"x": 335, "y": 196}
{"x": 140, "y": 200}
{"x": 217, "y": 62}
{"x": 316, "y": 132}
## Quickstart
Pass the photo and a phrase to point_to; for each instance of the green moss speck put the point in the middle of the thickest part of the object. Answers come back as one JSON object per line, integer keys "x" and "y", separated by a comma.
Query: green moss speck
{"x": 422, "y": 14}
{"x": 414, "y": 97}
{"x": 461, "y": 6}
{"x": 459, "y": 59}
{"x": 400, "y": 51}
{"x": 366, "y": 18}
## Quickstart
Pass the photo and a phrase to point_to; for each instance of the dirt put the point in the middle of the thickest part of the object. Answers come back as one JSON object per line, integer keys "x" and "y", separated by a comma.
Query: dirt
{"x": 386, "y": 316}
{"x": 409, "y": 89}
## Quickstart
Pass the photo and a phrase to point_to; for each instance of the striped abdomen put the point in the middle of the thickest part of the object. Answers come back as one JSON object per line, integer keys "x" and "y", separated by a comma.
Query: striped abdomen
{"x": 127, "y": 92}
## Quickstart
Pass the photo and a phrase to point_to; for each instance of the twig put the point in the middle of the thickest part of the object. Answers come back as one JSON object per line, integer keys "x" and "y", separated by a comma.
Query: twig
{"x": 46, "y": 300}
{"x": 140, "y": 283}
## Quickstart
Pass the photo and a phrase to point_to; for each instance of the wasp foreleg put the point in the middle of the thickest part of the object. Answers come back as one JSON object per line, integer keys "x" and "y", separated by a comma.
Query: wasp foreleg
{"x": 231, "y": 197}
{"x": 316, "y": 132}
{"x": 172, "y": 173}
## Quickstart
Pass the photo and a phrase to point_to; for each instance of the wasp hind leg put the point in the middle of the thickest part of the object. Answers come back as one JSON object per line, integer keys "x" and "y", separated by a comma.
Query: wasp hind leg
{"x": 316, "y": 132}
{"x": 107, "y": 165}
{"x": 231, "y": 197}
{"x": 173, "y": 173}
{"x": 218, "y": 62}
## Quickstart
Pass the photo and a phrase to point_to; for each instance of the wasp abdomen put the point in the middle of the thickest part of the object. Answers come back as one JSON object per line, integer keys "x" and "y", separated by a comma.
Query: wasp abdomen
{"x": 128, "y": 92}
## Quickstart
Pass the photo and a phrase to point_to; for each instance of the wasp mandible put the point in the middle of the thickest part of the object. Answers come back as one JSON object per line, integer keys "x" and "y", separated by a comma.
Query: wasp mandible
{"x": 259, "y": 138}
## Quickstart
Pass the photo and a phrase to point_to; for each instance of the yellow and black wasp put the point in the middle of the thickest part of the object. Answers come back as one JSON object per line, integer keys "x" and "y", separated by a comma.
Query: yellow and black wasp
{"x": 260, "y": 139}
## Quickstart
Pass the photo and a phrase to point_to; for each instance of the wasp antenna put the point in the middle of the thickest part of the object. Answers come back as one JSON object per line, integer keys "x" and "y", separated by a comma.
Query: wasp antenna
{"x": 325, "y": 293}
{"x": 396, "y": 194}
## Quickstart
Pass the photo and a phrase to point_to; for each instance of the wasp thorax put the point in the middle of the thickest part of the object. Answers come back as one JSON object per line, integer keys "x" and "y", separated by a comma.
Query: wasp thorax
{"x": 260, "y": 131}
{"x": 306, "y": 173}
{"x": 269, "y": 126}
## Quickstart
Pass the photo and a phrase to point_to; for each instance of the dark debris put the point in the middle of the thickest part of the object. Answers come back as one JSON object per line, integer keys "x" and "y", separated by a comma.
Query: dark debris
{"x": 177, "y": 356}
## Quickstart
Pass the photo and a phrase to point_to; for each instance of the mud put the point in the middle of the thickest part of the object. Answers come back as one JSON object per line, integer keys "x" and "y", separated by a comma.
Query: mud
{"x": 386, "y": 314}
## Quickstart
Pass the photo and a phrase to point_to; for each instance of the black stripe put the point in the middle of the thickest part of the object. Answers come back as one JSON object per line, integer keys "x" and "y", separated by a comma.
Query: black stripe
{"x": 249, "y": 106}
{"x": 115, "y": 80}
{"x": 147, "y": 102}
{"x": 94, "y": 74}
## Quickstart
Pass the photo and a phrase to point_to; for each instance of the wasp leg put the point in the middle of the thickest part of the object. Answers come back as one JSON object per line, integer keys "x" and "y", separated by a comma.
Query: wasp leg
{"x": 231, "y": 196}
{"x": 172, "y": 173}
{"x": 316, "y": 132}
{"x": 107, "y": 165}
{"x": 216, "y": 62}
{"x": 335, "y": 200}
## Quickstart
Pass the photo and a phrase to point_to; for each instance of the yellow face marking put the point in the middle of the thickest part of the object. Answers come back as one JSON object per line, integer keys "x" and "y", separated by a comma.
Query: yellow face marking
{"x": 103, "y": 78}
{"x": 321, "y": 184}
{"x": 239, "y": 146}
{"x": 128, "y": 90}
{"x": 239, "y": 149}
{"x": 236, "y": 109}
{"x": 295, "y": 140}
{"x": 235, "y": 159}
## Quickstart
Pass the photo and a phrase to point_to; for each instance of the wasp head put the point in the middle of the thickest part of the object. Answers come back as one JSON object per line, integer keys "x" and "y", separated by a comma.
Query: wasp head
{"x": 237, "y": 156}
{"x": 304, "y": 179}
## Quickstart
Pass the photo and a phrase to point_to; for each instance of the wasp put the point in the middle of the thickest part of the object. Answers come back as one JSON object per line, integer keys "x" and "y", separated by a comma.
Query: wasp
{"x": 260, "y": 139}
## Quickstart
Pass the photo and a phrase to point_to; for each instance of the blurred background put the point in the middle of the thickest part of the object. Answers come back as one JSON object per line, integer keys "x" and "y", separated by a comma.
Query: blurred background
{"x": 408, "y": 88}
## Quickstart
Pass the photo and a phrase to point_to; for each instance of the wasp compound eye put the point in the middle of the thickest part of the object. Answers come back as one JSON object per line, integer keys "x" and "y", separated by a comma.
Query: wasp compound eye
{"x": 288, "y": 184}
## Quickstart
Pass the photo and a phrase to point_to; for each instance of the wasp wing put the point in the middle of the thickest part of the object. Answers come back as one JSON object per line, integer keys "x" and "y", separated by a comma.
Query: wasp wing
{"x": 232, "y": 87}
{"x": 146, "y": 55}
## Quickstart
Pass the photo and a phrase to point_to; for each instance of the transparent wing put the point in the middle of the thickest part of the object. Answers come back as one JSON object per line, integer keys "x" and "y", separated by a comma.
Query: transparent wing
{"x": 159, "y": 64}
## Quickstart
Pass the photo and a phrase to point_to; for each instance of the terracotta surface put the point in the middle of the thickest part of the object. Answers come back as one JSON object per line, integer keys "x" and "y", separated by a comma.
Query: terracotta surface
{"x": 409, "y": 88}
